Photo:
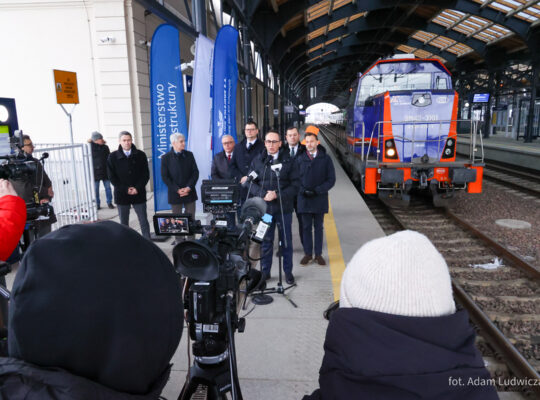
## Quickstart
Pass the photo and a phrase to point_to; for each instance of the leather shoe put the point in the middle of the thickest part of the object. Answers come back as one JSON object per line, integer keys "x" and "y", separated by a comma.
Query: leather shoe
{"x": 110, "y": 206}
{"x": 305, "y": 261}
{"x": 320, "y": 260}
{"x": 99, "y": 207}
{"x": 289, "y": 278}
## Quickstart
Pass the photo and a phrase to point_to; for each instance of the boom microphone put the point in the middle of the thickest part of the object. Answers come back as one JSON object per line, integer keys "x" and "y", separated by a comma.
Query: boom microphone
{"x": 44, "y": 156}
{"x": 253, "y": 210}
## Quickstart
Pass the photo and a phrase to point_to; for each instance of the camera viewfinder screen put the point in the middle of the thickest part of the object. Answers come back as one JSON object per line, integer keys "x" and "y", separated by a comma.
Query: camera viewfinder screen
{"x": 173, "y": 225}
{"x": 5, "y": 148}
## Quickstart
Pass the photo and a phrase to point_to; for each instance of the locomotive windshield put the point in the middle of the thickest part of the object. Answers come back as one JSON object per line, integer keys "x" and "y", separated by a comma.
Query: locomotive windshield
{"x": 401, "y": 76}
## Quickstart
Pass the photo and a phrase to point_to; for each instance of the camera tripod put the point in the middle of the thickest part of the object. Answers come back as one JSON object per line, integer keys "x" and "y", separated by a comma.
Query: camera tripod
{"x": 216, "y": 379}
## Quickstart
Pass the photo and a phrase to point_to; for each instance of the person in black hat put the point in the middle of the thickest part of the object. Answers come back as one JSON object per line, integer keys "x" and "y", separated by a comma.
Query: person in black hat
{"x": 100, "y": 154}
{"x": 87, "y": 324}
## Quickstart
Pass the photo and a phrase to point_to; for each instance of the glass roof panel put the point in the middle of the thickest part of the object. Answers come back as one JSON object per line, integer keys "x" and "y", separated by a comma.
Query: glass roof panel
{"x": 516, "y": 8}
{"x": 323, "y": 8}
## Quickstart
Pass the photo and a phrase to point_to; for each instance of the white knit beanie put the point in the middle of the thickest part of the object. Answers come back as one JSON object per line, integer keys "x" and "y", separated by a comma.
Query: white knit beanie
{"x": 400, "y": 274}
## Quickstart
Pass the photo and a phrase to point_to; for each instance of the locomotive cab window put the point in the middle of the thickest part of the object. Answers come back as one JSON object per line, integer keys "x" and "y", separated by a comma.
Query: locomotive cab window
{"x": 371, "y": 85}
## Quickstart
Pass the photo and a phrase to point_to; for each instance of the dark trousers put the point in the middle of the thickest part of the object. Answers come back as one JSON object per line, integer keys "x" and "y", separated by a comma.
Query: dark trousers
{"x": 267, "y": 247}
{"x": 140, "y": 210}
{"x": 310, "y": 221}
{"x": 300, "y": 225}
{"x": 184, "y": 208}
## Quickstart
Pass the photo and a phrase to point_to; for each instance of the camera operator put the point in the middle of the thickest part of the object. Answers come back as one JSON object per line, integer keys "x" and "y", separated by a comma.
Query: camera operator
{"x": 12, "y": 219}
{"x": 87, "y": 324}
{"x": 265, "y": 185}
{"x": 39, "y": 180}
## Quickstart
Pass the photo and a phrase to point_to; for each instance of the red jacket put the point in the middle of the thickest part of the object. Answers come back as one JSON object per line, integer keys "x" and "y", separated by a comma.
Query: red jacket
{"x": 12, "y": 221}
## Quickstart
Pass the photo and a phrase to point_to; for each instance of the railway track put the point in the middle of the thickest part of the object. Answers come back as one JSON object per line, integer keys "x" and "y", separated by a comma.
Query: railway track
{"x": 504, "y": 302}
{"x": 519, "y": 180}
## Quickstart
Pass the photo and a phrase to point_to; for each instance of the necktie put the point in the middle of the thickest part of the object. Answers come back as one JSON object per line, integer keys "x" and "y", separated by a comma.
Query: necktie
{"x": 249, "y": 146}
{"x": 292, "y": 152}
{"x": 229, "y": 157}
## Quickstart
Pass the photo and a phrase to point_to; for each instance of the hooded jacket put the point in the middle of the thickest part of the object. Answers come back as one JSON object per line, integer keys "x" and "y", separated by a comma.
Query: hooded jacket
{"x": 125, "y": 172}
{"x": 371, "y": 355}
{"x": 92, "y": 324}
{"x": 100, "y": 154}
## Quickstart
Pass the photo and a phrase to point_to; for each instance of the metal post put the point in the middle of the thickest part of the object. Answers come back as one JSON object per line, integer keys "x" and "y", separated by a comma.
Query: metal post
{"x": 530, "y": 116}
{"x": 282, "y": 104}
{"x": 247, "y": 65}
{"x": 276, "y": 101}
{"x": 78, "y": 211}
{"x": 199, "y": 16}
{"x": 266, "y": 123}
{"x": 487, "y": 114}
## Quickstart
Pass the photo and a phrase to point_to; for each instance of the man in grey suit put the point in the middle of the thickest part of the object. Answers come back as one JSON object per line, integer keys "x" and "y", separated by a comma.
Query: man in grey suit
{"x": 220, "y": 168}
{"x": 222, "y": 160}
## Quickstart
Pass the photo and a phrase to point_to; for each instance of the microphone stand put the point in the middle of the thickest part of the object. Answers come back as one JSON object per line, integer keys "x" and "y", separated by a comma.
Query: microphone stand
{"x": 262, "y": 297}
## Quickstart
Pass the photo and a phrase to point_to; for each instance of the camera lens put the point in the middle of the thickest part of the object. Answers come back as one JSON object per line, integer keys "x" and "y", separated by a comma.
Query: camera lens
{"x": 195, "y": 258}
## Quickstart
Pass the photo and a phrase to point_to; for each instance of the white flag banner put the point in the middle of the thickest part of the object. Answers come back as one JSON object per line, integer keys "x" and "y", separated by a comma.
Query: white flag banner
{"x": 200, "y": 121}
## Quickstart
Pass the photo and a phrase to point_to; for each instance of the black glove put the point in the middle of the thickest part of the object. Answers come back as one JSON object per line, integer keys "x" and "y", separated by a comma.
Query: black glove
{"x": 309, "y": 193}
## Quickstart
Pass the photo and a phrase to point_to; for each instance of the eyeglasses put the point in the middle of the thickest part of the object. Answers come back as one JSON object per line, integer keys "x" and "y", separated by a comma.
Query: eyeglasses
{"x": 250, "y": 129}
{"x": 28, "y": 144}
{"x": 224, "y": 143}
{"x": 272, "y": 141}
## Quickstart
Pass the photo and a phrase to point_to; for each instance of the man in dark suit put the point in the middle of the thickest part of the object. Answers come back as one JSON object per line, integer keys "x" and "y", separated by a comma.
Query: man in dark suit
{"x": 295, "y": 149}
{"x": 128, "y": 171}
{"x": 220, "y": 168}
{"x": 222, "y": 160}
{"x": 180, "y": 173}
{"x": 276, "y": 195}
{"x": 317, "y": 177}
{"x": 245, "y": 152}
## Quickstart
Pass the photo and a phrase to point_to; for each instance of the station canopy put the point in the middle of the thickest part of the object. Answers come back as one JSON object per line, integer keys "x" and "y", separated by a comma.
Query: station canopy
{"x": 325, "y": 44}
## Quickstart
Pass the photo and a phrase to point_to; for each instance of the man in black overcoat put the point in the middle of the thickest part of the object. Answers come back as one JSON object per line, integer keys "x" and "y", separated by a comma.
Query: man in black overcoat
{"x": 180, "y": 173}
{"x": 128, "y": 172}
{"x": 220, "y": 168}
{"x": 317, "y": 177}
{"x": 265, "y": 185}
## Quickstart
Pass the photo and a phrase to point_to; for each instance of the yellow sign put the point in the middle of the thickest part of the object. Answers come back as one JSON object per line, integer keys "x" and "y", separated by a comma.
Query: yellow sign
{"x": 65, "y": 84}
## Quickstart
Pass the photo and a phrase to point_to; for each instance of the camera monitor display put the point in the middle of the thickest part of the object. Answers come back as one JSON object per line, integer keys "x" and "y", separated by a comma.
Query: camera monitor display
{"x": 171, "y": 224}
{"x": 5, "y": 148}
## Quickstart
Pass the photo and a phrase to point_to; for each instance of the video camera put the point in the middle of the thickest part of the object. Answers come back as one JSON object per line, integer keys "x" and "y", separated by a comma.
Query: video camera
{"x": 218, "y": 277}
{"x": 14, "y": 165}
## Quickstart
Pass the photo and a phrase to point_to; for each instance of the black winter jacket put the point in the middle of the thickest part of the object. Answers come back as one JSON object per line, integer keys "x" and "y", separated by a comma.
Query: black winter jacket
{"x": 179, "y": 171}
{"x": 125, "y": 172}
{"x": 267, "y": 180}
{"x": 24, "y": 381}
{"x": 376, "y": 356}
{"x": 100, "y": 154}
{"x": 242, "y": 158}
{"x": 317, "y": 175}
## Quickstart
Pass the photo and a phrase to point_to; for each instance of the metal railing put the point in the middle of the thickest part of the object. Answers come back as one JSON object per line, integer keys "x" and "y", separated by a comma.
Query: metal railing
{"x": 408, "y": 135}
{"x": 70, "y": 170}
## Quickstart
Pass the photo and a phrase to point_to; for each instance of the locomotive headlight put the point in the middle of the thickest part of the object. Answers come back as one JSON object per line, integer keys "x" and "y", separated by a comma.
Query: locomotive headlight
{"x": 448, "y": 152}
{"x": 390, "y": 152}
{"x": 450, "y": 142}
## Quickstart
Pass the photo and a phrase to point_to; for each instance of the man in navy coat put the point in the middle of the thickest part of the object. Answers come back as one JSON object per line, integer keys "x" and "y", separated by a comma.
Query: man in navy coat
{"x": 180, "y": 173}
{"x": 220, "y": 167}
{"x": 317, "y": 177}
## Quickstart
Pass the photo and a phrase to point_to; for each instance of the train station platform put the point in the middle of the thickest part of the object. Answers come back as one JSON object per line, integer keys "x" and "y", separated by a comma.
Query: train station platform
{"x": 281, "y": 350}
{"x": 508, "y": 151}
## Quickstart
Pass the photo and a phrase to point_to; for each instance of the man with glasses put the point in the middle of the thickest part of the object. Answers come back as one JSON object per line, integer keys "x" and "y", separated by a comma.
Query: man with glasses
{"x": 180, "y": 173}
{"x": 245, "y": 152}
{"x": 221, "y": 165}
{"x": 39, "y": 183}
{"x": 267, "y": 165}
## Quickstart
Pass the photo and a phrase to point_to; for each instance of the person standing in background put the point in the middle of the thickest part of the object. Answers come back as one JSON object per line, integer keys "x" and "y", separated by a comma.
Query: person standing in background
{"x": 100, "y": 154}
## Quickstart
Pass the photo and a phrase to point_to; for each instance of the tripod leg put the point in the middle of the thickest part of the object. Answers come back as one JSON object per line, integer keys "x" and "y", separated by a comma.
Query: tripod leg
{"x": 189, "y": 388}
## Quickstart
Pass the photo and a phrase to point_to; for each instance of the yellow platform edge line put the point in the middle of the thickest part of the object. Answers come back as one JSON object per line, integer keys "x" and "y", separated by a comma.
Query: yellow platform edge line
{"x": 335, "y": 255}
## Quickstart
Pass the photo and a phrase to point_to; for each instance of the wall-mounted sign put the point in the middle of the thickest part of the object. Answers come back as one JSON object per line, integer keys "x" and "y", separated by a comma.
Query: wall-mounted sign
{"x": 188, "y": 83}
{"x": 65, "y": 85}
{"x": 276, "y": 112}
{"x": 481, "y": 98}
{"x": 289, "y": 109}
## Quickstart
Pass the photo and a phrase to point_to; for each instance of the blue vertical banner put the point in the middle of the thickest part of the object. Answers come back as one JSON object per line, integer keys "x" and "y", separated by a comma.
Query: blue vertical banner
{"x": 167, "y": 102}
{"x": 225, "y": 78}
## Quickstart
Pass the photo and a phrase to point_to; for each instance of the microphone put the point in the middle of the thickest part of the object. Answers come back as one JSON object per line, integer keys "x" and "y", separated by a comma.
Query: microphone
{"x": 276, "y": 167}
{"x": 44, "y": 156}
{"x": 252, "y": 212}
{"x": 252, "y": 175}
